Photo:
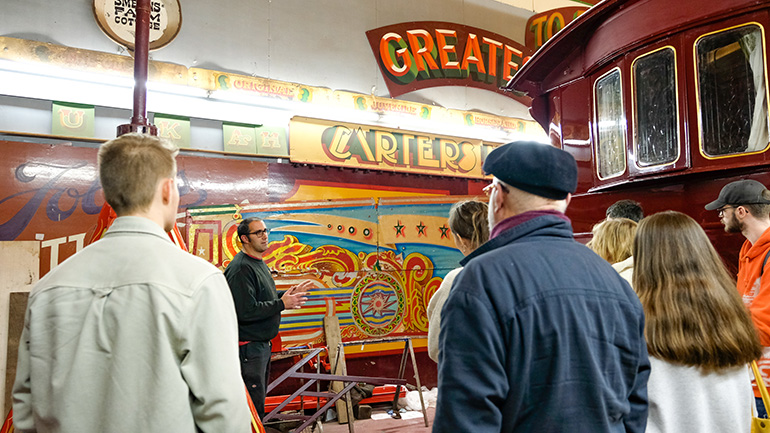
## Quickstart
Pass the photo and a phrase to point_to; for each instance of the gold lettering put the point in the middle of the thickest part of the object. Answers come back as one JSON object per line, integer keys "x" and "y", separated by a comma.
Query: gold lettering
{"x": 361, "y": 137}
{"x": 337, "y": 148}
{"x": 450, "y": 152}
{"x": 425, "y": 153}
{"x": 387, "y": 147}
{"x": 470, "y": 157}
{"x": 405, "y": 139}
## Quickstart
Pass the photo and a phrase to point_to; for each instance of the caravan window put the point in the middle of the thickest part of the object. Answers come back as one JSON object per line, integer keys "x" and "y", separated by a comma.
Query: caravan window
{"x": 732, "y": 91}
{"x": 611, "y": 124}
{"x": 656, "y": 116}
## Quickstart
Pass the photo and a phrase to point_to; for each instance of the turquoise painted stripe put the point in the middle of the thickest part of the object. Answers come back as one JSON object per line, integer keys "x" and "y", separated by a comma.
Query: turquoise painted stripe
{"x": 311, "y": 317}
{"x": 292, "y": 327}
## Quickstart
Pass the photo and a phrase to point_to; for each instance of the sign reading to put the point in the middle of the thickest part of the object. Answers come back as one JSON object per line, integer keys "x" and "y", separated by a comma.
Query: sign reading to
{"x": 542, "y": 26}
{"x": 418, "y": 55}
{"x": 359, "y": 146}
{"x": 117, "y": 19}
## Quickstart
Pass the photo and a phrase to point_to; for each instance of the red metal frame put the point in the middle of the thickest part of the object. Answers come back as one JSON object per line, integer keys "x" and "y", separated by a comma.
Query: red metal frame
{"x": 330, "y": 398}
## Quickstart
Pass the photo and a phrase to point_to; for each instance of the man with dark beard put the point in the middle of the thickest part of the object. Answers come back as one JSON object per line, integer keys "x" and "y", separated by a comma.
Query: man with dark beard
{"x": 258, "y": 306}
{"x": 743, "y": 207}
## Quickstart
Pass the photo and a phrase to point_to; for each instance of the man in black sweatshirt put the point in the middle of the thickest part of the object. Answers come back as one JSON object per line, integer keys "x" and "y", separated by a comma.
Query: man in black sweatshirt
{"x": 258, "y": 306}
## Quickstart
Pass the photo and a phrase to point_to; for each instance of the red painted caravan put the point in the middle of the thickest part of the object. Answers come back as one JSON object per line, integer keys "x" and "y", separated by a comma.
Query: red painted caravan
{"x": 661, "y": 102}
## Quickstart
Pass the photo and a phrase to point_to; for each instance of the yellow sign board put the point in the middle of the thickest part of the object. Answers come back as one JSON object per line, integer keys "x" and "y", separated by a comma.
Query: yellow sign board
{"x": 324, "y": 142}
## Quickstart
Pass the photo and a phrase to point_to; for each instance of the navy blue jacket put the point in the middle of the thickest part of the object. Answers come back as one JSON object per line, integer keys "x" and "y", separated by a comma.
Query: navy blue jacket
{"x": 539, "y": 334}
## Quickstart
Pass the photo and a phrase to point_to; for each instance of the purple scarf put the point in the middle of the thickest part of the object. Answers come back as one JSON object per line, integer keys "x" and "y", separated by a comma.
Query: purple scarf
{"x": 515, "y": 220}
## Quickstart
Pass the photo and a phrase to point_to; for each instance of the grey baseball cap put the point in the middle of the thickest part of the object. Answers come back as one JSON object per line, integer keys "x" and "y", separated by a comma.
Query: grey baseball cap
{"x": 744, "y": 191}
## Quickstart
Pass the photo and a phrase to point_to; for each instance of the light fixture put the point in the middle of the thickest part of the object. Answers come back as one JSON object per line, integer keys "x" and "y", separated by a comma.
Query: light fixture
{"x": 317, "y": 110}
{"x": 24, "y": 84}
{"x": 50, "y": 82}
{"x": 176, "y": 89}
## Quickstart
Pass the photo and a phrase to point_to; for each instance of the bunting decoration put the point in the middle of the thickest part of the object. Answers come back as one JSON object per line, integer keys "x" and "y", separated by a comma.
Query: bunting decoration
{"x": 8, "y": 424}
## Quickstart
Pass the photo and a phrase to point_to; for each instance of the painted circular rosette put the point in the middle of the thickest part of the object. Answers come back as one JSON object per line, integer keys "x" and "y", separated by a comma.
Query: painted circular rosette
{"x": 377, "y": 304}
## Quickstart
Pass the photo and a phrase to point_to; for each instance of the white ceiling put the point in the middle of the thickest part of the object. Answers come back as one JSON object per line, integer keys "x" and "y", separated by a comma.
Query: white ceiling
{"x": 544, "y": 5}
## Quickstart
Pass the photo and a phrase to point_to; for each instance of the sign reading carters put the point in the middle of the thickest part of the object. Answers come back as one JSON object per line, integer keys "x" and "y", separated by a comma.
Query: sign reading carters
{"x": 324, "y": 142}
{"x": 417, "y": 55}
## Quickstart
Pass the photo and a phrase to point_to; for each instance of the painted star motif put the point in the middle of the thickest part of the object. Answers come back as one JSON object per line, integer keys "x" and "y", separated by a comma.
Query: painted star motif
{"x": 201, "y": 251}
{"x": 421, "y": 230}
{"x": 444, "y": 231}
{"x": 399, "y": 229}
{"x": 377, "y": 303}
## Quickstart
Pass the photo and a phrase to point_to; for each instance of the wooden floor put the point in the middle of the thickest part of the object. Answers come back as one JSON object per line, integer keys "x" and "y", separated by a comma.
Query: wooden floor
{"x": 389, "y": 425}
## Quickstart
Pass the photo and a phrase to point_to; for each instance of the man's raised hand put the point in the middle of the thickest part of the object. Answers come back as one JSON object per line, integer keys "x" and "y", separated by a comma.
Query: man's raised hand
{"x": 296, "y": 296}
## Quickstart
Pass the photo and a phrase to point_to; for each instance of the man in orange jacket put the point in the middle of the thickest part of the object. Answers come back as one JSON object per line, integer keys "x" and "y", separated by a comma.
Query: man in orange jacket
{"x": 744, "y": 207}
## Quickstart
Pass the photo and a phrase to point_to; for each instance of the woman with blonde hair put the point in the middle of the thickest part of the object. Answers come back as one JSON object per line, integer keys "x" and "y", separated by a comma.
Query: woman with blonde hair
{"x": 700, "y": 337}
{"x": 468, "y": 223}
{"x": 613, "y": 240}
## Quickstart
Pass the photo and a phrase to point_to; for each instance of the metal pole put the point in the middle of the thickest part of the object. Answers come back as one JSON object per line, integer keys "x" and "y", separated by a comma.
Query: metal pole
{"x": 141, "y": 59}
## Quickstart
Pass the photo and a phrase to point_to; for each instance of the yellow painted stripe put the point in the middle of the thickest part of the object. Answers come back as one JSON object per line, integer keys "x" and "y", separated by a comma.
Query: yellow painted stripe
{"x": 305, "y": 310}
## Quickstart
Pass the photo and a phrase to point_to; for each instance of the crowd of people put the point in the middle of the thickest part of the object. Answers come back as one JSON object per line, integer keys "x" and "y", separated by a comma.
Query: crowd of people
{"x": 643, "y": 329}
{"x": 648, "y": 334}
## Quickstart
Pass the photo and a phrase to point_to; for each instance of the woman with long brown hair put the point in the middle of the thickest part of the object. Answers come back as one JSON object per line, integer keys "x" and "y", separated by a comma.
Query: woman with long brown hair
{"x": 700, "y": 337}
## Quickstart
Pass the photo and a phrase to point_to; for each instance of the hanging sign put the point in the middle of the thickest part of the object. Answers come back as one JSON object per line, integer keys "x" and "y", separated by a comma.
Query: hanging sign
{"x": 117, "y": 19}
{"x": 174, "y": 128}
{"x": 72, "y": 120}
{"x": 542, "y": 26}
{"x": 258, "y": 140}
{"x": 417, "y": 55}
{"x": 324, "y": 142}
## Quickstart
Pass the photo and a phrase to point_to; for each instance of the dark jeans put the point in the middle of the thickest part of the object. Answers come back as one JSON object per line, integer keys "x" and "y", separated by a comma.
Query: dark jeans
{"x": 761, "y": 411}
{"x": 255, "y": 369}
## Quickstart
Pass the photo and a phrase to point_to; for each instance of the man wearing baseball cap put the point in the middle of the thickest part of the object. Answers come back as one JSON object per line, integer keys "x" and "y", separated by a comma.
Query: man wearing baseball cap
{"x": 539, "y": 334}
{"x": 744, "y": 207}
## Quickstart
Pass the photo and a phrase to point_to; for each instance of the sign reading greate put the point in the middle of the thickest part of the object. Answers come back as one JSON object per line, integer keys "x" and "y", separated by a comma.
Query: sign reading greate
{"x": 418, "y": 55}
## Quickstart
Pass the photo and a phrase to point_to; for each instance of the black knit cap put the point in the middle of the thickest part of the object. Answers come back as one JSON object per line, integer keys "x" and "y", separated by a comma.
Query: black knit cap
{"x": 536, "y": 168}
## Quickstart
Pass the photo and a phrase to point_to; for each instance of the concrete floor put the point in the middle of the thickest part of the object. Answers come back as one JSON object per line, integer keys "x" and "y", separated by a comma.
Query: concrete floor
{"x": 388, "y": 425}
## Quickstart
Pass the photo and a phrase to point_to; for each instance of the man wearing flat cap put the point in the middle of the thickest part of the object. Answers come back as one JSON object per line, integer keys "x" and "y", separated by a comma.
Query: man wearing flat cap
{"x": 539, "y": 334}
{"x": 743, "y": 207}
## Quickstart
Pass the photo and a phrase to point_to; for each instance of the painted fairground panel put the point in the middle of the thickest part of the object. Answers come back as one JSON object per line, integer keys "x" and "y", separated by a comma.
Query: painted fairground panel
{"x": 51, "y": 193}
{"x": 375, "y": 265}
